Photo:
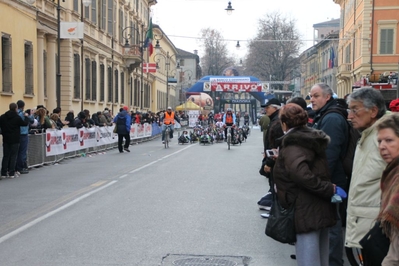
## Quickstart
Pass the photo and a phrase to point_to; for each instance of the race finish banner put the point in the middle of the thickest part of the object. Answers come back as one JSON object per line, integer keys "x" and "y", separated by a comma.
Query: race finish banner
{"x": 237, "y": 84}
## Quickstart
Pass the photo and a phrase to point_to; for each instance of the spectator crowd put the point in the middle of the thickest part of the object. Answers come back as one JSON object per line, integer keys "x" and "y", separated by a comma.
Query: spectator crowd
{"x": 18, "y": 122}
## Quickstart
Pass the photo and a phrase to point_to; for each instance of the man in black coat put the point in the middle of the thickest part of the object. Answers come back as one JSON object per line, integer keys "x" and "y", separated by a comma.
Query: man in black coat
{"x": 273, "y": 134}
{"x": 10, "y": 123}
{"x": 334, "y": 124}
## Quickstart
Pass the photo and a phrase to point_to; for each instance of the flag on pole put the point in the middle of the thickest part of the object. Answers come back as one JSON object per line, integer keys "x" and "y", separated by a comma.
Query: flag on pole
{"x": 332, "y": 58}
{"x": 149, "y": 67}
{"x": 71, "y": 30}
{"x": 148, "y": 39}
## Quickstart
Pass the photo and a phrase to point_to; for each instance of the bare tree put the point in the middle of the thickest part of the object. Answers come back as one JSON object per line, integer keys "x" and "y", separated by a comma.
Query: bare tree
{"x": 215, "y": 58}
{"x": 273, "y": 53}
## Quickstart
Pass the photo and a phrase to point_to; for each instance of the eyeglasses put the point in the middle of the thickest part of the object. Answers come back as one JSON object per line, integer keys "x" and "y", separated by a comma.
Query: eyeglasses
{"x": 355, "y": 111}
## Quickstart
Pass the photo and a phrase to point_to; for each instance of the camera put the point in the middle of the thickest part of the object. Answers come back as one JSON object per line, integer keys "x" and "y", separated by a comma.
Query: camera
{"x": 270, "y": 153}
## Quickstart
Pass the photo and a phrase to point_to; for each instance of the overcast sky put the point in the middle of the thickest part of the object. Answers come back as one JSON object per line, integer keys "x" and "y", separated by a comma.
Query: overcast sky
{"x": 182, "y": 20}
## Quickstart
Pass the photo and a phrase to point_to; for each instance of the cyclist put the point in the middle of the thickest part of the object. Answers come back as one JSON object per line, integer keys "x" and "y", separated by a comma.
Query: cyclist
{"x": 168, "y": 119}
{"x": 246, "y": 119}
{"x": 229, "y": 119}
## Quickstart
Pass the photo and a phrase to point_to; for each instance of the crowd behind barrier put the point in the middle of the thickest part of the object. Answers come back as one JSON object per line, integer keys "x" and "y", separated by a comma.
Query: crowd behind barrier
{"x": 54, "y": 145}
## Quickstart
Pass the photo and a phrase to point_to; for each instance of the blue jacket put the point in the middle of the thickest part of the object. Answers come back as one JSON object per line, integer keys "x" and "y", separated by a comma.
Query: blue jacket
{"x": 25, "y": 129}
{"x": 127, "y": 122}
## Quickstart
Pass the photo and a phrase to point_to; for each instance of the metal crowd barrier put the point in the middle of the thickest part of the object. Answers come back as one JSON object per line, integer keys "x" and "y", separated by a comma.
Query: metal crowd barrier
{"x": 37, "y": 149}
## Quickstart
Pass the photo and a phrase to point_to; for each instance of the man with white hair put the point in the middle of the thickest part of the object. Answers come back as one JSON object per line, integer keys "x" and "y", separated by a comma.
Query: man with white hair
{"x": 331, "y": 118}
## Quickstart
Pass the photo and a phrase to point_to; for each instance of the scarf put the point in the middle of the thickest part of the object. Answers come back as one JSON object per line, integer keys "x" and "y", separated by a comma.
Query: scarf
{"x": 389, "y": 211}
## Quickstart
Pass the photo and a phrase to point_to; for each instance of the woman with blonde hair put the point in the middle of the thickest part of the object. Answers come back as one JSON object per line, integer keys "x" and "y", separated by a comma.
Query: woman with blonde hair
{"x": 53, "y": 120}
{"x": 42, "y": 118}
{"x": 388, "y": 144}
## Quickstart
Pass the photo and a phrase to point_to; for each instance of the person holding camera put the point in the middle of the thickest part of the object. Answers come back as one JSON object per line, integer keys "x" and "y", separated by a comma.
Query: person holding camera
{"x": 302, "y": 179}
{"x": 273, "y": 133}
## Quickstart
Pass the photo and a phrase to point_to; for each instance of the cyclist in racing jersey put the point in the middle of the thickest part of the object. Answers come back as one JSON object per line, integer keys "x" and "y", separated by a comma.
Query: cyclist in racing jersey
{"x": 229, "y": 119}
{"x": 169, "y": 118}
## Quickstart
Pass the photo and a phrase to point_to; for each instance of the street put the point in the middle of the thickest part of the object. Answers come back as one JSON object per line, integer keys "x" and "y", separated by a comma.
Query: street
{"x": 153, "y": 206}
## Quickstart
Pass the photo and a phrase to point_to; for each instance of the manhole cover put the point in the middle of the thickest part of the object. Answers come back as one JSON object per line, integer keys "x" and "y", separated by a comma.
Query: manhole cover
{"x": 204, "y": 262}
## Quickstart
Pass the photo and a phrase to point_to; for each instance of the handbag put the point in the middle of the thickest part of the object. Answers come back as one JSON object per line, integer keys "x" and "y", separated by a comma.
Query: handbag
{"x": 375, "y": 242}
{"x": 281, "y": 223}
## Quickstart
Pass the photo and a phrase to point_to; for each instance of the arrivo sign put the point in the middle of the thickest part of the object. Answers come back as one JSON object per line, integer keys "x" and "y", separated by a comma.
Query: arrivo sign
{"x": 237, "y": 87}
{"x": 235, "y": 84}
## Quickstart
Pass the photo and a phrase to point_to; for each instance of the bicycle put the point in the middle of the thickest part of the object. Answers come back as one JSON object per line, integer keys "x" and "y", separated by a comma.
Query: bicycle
{"x": 228, "y": 137}
{"x": 166, "y": 139}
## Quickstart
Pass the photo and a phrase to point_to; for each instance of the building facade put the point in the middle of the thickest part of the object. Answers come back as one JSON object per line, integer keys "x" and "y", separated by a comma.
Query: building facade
{"x": 369, "y": 43}
{"x": 94, "y": 72}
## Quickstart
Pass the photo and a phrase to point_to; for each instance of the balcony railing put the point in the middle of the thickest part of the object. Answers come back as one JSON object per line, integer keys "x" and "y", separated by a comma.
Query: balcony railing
{"x": 132, "y": 55}
{"x": 345, "y": 68}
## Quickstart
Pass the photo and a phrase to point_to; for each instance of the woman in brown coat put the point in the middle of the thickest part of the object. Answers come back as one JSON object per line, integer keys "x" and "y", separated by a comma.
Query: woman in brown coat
{"x": 301, "y": 178}
{"x": 388, "y": 144}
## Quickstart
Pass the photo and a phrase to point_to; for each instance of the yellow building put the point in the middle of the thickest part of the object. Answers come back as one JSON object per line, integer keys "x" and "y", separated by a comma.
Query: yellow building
{"x": 165, "y": 56}
{"x": 18, "y": 53}
{"x": 101, "y": 70}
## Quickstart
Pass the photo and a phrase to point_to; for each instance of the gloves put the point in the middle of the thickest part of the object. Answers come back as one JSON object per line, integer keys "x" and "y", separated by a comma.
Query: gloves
{"x": 339, "y": 195}
{"x": 340, "y": 192}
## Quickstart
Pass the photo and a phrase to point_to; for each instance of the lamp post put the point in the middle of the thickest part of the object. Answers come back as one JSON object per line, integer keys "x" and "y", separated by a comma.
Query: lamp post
{"x": 132, "y": 50}
{"x": 183, "y": 81}
{"x": 58, "y": 75}
{"x": 86, "y": 3}
{"x": 167, "y": 59}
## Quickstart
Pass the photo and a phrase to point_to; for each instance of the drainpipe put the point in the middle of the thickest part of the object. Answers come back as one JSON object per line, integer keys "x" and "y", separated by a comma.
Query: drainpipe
{"x": 371, "y": 39}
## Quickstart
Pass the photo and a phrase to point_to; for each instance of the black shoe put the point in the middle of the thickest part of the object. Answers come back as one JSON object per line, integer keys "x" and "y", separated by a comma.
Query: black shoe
{"x": 121, "y": 151}
{"x": 24, "y": 171}
{"x": 127, "y": 149}
{"x": 293, "y": 256}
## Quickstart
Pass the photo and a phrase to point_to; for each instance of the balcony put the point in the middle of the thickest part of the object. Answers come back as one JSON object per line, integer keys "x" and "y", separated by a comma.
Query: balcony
{"x": 344, "y": 71}
{"x": 132, "y": 55}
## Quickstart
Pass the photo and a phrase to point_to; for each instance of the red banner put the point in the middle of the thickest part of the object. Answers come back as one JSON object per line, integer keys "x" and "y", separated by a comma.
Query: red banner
{"x": 236, "y": 86}
{"x": 149, "y": 67}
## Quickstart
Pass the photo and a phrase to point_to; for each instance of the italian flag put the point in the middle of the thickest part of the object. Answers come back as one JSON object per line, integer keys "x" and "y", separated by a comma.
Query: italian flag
{"x": 148, "y": 39}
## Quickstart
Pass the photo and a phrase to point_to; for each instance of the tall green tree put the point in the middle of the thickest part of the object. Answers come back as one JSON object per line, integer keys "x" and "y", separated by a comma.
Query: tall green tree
{"x": 215, "y": 58}
{"x": 273, "y": 53}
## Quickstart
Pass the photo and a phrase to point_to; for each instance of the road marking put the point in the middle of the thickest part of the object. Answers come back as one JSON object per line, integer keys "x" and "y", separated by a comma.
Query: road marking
{"x": 51, "y": 213}
{"x": 160, "y": 159}
{"x": 99, "y": 184}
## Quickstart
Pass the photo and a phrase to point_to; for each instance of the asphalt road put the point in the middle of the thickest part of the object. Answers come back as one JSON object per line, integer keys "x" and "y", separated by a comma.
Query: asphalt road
{"x": 152, "y": 206}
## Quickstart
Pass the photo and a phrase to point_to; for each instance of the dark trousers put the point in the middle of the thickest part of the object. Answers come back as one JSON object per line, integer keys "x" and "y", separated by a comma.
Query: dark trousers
{"x": 10, "y": 153}
{"x": 22, "y": 153}
{"x": 120, "y": 141}
{"x": 336, "y": 246}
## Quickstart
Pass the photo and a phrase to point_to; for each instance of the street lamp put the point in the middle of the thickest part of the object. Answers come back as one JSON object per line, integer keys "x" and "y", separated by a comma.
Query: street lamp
{"x": 134, "y": 55}
{"x": 183, "y": 81}
{"x": 167, "y": 59}
{"x": 229, "y": 9}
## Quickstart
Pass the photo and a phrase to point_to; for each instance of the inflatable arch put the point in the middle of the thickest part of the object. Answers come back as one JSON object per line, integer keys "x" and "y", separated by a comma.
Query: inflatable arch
{"x": 207, "y": 90}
